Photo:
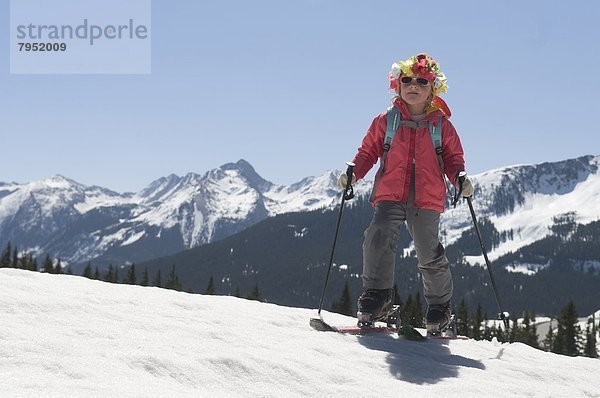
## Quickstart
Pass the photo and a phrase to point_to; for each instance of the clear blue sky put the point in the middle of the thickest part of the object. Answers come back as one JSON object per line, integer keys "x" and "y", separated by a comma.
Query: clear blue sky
{"x": 292, "y": 86}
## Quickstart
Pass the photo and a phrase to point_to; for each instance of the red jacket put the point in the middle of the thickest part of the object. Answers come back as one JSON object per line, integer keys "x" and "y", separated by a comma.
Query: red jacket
{"x": 409, "y": 144}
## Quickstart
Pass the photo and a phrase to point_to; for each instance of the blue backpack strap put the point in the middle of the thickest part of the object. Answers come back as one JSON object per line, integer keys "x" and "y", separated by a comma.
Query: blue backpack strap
{"x": 436, "y": 139}
{"x": 393, "y": 121}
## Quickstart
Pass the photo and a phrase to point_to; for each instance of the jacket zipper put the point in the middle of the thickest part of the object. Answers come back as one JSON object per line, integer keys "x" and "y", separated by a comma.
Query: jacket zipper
{"x": 409, "y": 165}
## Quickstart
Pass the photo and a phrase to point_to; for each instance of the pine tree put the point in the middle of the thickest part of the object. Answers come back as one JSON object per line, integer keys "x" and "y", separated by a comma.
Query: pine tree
{"x": 238, "y": 292}
{"x": 462, "y": 321}
{"x": 110, "y": 274}
{"x": 548, "y": 342}
{"x": 97, "y": 274}
{"x": 591, "y": 349}
{"x": 567, "y": 331}
{"x": 514, "y": 330}
{"x": 210, "y": 289}
{"x": 255, "y": 294}
{"x": 158, "y": 279}
{"x": 418, "y": 314}
{"x": 131, "y": 278}
{"x": 412, "y": 313}
{"x": 344, "y": 305}
{"x": 405, "y": 315}
{"x": 30, "y": 262}
{"x": 528, "y": 333}
{"x": 33, "y": 265}
{"x": 488, "y": 333}
{"x": 496, "y": 332}
{"x": 15, "y": 259}
{"x": 48, "y": 266}
{"x": 58, "y": 267}
{"x": 173, "y": 282}
{"x": 559, "y": 341}
{"x": 87, "y": 271}
{"x": 115, "y": 278}
{"x": 534, "y": 339}
{"x": 145, "y": 277}
{"x": 476, "y": 321}
{"x": 5, "y": 260}
{"x": 22, "y": 262}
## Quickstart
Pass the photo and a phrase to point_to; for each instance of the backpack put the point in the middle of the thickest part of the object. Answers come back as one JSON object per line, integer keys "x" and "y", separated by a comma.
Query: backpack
{"x": 394, "y": 120}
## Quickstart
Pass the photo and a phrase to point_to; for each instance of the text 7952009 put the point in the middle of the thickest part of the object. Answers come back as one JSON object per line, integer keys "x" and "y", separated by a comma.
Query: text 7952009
{"x": 42, "y": 47}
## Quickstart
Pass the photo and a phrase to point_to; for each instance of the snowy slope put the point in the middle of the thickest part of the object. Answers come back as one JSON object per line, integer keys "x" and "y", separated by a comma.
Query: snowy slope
{"x": 68, "y": 336}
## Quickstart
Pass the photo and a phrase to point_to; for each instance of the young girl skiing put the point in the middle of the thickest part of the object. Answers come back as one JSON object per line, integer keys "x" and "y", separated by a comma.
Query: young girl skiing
{"x": 409, "y": 187}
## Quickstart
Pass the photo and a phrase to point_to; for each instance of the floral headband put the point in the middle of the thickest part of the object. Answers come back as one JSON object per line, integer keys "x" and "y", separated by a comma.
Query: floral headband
{"x": 421, "y": 65}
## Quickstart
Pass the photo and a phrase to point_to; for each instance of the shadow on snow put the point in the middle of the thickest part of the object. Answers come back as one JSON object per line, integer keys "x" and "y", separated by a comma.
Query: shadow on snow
{"x": 419, "y": 362}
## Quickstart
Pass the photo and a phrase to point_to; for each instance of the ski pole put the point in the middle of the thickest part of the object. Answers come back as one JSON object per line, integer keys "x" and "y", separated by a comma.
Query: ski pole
{"x": 503, "y": 316}
{"x": 346, "y": 195}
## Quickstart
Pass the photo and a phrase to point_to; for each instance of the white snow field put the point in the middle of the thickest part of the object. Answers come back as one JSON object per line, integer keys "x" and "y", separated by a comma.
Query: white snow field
{"x": 66, "y": 336}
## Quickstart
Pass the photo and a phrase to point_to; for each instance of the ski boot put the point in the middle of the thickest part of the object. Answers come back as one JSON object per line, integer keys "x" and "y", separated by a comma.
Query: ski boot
{"x": 439, "y": 319}
{"x": 376, "y": 305}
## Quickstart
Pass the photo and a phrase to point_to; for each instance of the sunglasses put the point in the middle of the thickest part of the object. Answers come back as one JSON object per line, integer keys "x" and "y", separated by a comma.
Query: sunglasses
{"x": 421, "y": 81}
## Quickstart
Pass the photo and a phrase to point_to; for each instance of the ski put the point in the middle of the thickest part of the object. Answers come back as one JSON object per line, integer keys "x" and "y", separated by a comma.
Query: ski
{"x": 411, "y": 333}
{"x": 385, "y": 323}
{"x": 320, "y": 325}
{"x": 405, "y": 332}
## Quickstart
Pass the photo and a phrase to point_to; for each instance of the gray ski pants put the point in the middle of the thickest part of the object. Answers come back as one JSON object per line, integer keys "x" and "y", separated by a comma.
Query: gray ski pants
{"x": 381, "y": 241}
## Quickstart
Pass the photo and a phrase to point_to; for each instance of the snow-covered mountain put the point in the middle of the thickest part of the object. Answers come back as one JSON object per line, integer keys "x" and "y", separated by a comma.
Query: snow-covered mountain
{"x": 527, "y": 203}
{"x": 79, "y": 223}
{"x": 67, "y": 336}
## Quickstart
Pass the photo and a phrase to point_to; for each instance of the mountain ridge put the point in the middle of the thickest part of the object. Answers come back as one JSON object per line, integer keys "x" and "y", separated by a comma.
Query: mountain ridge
{"x": 80, "y": 223}
{"x": 190, "y": 210}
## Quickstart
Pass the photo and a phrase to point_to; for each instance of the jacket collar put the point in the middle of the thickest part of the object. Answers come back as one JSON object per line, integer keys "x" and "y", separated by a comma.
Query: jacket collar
{"x": 438, "y": 108}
